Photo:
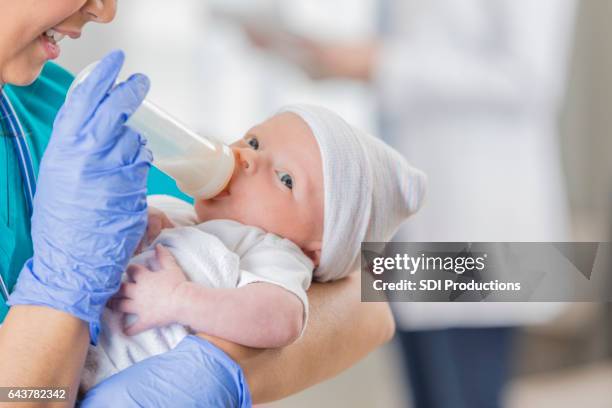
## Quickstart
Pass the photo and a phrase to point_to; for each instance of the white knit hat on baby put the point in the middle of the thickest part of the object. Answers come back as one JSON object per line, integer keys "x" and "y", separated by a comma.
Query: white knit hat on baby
{"x": 370, "y": 189}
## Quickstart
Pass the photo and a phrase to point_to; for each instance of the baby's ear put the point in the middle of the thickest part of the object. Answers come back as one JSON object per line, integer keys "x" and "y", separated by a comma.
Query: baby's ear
{"x": 313, "y": 251}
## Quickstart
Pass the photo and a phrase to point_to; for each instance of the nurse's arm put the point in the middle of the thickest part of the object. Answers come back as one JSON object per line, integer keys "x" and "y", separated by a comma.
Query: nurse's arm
{"x": 42, "y": 347}
{"x": 341, "y": 330}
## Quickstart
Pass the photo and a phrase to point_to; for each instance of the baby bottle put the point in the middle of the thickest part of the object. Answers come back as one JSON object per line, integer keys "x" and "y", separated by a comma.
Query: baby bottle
{"x": 201, "y": 166}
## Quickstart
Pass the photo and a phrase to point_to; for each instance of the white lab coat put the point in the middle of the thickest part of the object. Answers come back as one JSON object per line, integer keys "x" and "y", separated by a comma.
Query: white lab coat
{"x": 470, "y": 92}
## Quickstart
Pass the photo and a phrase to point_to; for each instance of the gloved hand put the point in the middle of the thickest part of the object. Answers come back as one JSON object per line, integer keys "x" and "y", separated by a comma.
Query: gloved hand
{"x": 194, "y": 374}
{"x": 90, "y": 207}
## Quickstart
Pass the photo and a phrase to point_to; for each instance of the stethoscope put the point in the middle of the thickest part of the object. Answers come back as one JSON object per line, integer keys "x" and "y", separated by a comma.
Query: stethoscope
{"x": 24, "y": 158}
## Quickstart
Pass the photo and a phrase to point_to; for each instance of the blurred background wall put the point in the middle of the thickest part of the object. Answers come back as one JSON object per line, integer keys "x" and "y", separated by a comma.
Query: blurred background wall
{"x": 205, "y": 72}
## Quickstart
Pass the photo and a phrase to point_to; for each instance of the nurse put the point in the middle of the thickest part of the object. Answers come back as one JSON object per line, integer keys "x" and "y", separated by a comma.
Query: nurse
{"x": 87, "y": 201}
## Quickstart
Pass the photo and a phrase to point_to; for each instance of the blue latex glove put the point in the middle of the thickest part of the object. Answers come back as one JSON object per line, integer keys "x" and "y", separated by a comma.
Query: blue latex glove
{"x": 90, "y": 206}
{"x": 194, "y": 374}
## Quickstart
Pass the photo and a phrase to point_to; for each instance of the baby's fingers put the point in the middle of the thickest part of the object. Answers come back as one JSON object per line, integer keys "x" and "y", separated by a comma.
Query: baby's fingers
{"x": 136, "y": 271}
{"x": 164, "y": 257}
{"x": 124, "y": 305}
{"x": 127, "y": 290}
{"x": 138, "y": 327}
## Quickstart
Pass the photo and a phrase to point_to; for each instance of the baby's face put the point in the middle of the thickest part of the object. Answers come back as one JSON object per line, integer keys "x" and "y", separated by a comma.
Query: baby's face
{"x": 277, "y": 183}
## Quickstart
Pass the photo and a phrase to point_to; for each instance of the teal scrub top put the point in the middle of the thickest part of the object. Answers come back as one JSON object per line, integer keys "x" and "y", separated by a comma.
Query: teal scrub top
{"x": 36, "y": 106}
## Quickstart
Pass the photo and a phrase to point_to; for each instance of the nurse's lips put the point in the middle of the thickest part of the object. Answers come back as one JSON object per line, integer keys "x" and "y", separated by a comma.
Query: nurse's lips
{"x": 73, "y": 34}
{"x": 51, "y": 38}
{"x": 52, "y": 50}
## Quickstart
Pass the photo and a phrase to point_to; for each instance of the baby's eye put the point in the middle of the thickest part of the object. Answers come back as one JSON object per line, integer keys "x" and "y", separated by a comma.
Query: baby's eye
{"x": 286, "y": 179}
{"x": 253, "y": 142}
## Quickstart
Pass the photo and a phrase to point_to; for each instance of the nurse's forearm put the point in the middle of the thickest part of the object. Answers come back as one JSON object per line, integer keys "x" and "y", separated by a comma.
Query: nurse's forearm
{"x": 42, "y": 347}
{"x": 341, "y": 330}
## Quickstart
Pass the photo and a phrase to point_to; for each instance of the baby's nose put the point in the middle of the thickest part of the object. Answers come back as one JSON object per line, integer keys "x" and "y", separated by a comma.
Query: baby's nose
{"x": 246, "y": 160}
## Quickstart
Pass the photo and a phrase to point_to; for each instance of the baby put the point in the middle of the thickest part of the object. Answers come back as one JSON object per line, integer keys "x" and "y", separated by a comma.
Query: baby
{"x": 307, "y": 189}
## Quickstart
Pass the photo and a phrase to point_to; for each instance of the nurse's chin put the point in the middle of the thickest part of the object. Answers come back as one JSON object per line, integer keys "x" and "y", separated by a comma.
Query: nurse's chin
{"x": 24, "y": 78}
{"x": 23, "y": 69}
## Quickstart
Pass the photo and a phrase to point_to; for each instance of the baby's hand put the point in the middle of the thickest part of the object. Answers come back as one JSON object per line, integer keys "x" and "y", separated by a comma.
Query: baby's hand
{"x": 151, "y": 295}
{"x": 157, "y": 221}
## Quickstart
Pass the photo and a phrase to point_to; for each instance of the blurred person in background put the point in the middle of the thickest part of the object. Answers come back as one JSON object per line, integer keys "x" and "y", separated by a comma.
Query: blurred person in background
{"x": 469, "y": 92}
